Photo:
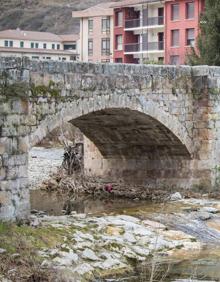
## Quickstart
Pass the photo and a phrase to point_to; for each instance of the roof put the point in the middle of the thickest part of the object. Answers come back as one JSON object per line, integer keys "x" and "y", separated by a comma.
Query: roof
{"x": 35, "y": 35}
{"x": 35, "y": 51}
{"x": 125, "y": 3}
{"x": 102, "y": 9}
{"x": 69, "y": 37}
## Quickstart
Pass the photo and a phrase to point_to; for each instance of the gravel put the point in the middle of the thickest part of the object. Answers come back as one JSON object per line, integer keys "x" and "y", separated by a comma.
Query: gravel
{"x": 42, "y": 163}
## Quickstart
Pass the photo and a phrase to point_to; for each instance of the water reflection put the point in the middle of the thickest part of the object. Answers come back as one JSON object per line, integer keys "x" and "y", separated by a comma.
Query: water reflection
{"x": 55, "y": 203}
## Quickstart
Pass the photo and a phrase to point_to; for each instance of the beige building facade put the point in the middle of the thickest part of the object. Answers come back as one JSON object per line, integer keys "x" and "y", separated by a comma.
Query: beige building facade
{"x": 39, "y": 45}
{"x": 96, "y": 33}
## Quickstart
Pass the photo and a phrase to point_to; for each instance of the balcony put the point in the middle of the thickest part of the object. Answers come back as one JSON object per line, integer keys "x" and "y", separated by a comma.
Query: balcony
{"x": 153, "y": 21}
{"x": 132, "y": 23}
{"x": 144, "y": 47}
{"x": 136, "y": 23}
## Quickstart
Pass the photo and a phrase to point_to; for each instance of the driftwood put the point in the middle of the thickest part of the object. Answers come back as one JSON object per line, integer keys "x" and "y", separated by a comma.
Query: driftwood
{"x": 73, "y": 159}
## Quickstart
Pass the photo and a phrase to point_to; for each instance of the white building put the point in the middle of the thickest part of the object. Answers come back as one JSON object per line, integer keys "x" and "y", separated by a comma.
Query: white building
{"x": 96, "y": 33}
{"x": 39, "y": 45}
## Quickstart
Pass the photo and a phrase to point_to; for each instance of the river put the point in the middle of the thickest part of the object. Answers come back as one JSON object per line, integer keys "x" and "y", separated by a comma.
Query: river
{"x": 188, "y": 231}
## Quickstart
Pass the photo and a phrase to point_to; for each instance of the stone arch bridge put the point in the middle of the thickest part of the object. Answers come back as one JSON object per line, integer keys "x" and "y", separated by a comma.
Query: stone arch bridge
{"x": 158, "y": 125}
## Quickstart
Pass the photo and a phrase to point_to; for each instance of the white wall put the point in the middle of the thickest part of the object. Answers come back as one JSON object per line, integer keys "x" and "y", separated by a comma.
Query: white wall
{"x": 27, "y": 43}
{"x": 41, "y": 57}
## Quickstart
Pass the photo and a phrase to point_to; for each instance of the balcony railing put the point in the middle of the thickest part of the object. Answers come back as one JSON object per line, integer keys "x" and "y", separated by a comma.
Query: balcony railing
{"x": 132, "y": 47}
{"x": 146, "y": 46}
{"x": 153, "y": 21}
{"x": 132, "y": 23}
{"x": 146, "y": 22}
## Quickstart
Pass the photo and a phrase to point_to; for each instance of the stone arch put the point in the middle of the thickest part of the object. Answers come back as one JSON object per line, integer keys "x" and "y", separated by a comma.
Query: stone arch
{"x": 138, "y": 106}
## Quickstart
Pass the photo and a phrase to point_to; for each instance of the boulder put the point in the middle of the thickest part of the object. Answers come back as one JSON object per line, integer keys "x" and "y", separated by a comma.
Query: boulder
{"x": 90, "y": 255}
{"x": 176, "y": 197}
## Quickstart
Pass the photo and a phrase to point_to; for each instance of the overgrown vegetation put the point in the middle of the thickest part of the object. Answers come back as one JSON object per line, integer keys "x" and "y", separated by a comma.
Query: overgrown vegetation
{"x": 208, "y": 42}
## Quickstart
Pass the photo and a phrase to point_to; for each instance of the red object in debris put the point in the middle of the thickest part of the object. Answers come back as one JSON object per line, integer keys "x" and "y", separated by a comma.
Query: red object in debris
{"x": 108, "y": 188}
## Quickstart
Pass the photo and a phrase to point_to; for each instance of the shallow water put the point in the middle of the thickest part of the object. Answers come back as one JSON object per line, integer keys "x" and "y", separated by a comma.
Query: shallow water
{"x": 54, "y": 204}
{"x": 191, "y": 266}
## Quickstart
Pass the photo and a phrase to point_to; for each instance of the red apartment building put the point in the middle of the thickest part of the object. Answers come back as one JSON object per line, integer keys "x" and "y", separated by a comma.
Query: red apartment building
{"x": 152, "y": 30}
{"x": 138, "y": 31}
{"x": 181, "y": 28}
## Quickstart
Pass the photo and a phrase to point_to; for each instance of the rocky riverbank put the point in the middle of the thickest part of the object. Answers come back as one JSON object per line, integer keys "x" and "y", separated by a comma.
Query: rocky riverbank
{"x": 97, "y": 247}
{"x": 94, "y": 247}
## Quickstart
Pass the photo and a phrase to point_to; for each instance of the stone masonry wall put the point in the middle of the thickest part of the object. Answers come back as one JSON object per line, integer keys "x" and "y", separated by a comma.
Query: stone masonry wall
{"x": 158, "y": 125}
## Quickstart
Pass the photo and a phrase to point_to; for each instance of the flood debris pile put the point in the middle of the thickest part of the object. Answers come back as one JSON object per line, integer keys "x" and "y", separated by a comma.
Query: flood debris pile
{"x": 94, "y": 186}
{"x": 73, "y": 159}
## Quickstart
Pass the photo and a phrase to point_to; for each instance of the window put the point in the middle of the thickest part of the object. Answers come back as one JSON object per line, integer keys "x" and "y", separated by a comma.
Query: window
{"x": 119, "y": 43}
{"x": 90, "y": 47}
{"x": 190, "y": 37}
{"x": 190, "y": 10}
{"x": 72, "y": 58}
{"x": 90, "y": 25}
{"x": 32, "y": 44}
{"x": 21, "y": 44}
{"x": 174, "y": 37}
{"x": 63, "y": 59}
{"x": 69, "y": 47}
{"x": 6, "y": 43}
{"x": 105, "y": 61}
{"x": 58, "y": 46}
{"x": 36, "y": 45}
{"x": 106, "y": 24}
{"x": 48, "y": 58}
{"x": 118, "y": 60}
{"x": 105, "y": 46}
{"x": 161, "y": 60}
{"x": 119, "y": 19}
{"x": 35, "y": 58}
{"x": 174, "y": 60}
{"x": 45, "y": 45}
{"x": 53, "y": 46}
{"x": 174, "y": 12}
{"x": 11, "y": 43}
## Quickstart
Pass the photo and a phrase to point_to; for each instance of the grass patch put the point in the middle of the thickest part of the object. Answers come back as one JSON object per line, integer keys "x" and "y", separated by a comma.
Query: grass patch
{"x": 21, "y": 244}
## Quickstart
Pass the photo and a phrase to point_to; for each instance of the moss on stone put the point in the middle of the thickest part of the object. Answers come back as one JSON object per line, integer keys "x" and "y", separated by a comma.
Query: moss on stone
{"x": 51, "y": 89}
{"x": 214, "y": 91}
{"x": 17, "y": 89}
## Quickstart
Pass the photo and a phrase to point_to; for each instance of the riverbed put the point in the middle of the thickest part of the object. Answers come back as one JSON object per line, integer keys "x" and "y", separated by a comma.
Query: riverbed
{"x": 120, "y": 231}
{"x": 116, "y": 239}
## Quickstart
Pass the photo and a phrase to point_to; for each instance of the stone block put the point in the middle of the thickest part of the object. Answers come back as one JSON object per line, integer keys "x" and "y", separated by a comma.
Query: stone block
{"x": 8, "y": 145}
{"x": 5, "y": 108}
{"x": 4, "y": 198}
{"x": 205, "y": 134}
{"x": 23, "y": 144}
{"x": 2, "y": 173}
{"x": 2, "y": 149}
{"x": 15, "y": 160}
{"x": 14, "y": 172}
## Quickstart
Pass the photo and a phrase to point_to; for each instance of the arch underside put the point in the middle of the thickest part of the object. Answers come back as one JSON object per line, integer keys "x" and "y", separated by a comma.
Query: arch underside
{"x": 125, "y": 133}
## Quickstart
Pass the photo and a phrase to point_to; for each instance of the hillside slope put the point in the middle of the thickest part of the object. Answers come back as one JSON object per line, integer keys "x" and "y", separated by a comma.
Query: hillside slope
{"x": 42, "y": 15}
